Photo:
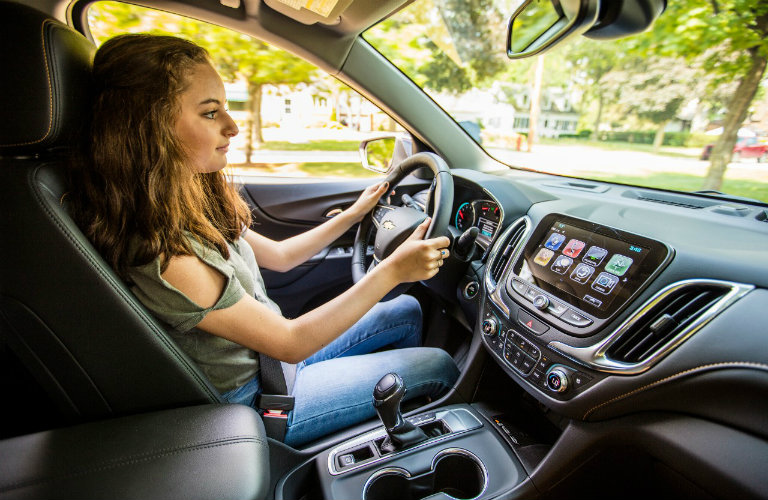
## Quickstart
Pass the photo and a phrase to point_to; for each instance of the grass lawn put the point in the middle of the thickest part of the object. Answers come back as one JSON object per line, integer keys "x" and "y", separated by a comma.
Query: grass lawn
{"x": 623, "y": 146}
{"x": 319, "y": 145}
{"x": 682, "y": 182}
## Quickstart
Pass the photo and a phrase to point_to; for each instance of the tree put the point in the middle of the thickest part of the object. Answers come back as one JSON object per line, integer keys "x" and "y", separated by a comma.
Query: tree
{"x": 655, "y": 89}
{"x": 591, "y": 61}
{"x": 732, "y": 38}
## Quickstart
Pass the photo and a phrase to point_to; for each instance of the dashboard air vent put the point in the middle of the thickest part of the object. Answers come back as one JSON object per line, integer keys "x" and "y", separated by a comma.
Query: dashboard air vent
{"x": 498, "y": 262}
{"x": 664, "y": 321}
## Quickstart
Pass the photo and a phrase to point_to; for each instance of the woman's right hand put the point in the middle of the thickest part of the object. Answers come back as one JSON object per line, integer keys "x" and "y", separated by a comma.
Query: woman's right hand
{"x": 417, "y": 259}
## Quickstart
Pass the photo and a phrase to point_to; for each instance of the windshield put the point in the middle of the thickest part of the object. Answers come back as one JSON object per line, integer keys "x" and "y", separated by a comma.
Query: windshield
{"x": 646, "y": 110}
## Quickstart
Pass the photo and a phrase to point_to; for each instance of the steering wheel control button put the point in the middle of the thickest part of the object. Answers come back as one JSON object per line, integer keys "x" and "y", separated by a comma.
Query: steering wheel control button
{"x": 557, "y": 380}
{"x": 541, "y": 302}
{"x": 576, "y": 319}
{"x": 489, "y": 327}
{"x": 471, "y": 289}
{"x": 531, "y": 323}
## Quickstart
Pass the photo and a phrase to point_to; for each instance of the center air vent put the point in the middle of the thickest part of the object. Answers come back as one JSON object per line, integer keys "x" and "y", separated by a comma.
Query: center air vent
{"x": 664, "y": 322}
{"x": 503, "y": 251}
{"x": 672, "y": 315}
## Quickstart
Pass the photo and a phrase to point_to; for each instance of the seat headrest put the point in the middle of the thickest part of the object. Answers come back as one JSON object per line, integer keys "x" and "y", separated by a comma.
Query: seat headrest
{"x": 46, "y": 82}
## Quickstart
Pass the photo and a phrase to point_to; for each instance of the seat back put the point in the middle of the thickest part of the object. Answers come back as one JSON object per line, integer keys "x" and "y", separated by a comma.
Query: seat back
{"x": 63, "y": 311}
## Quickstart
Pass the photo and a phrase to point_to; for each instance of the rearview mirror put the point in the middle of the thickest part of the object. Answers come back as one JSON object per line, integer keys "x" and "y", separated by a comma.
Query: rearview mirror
{"x": 537, "y": 25}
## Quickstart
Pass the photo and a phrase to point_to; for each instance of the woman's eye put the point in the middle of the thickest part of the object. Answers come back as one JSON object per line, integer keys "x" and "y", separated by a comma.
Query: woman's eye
{"x": 211, "y": 115}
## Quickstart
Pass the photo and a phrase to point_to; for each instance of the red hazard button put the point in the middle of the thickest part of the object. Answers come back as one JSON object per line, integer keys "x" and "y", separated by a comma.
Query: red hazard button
{"x": 532, "y": 324}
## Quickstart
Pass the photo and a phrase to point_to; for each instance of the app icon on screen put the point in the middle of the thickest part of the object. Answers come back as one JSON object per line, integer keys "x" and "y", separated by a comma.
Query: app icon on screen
{"x": 618, "y": 264}
{"x": 542, "y": 258}
{"x": 604, "y": 283}
{"x": 573, "y": 248}
{"x": 561, "y": 264}
{"x": 554, "y": 241}
{"x": 582, "y": 273}
{"x": 594, "y": 256}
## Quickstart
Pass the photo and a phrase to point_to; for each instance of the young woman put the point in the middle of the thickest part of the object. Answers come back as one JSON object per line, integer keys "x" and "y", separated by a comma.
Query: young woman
{"x": 150, "y": 194}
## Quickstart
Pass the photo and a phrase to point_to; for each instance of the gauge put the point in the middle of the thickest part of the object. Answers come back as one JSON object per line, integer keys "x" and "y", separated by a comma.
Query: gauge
{"x": 465, "y": 217}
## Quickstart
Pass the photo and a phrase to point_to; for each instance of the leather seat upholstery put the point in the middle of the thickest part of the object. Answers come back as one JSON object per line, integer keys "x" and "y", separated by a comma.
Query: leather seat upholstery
{"x": 63, "y": 311}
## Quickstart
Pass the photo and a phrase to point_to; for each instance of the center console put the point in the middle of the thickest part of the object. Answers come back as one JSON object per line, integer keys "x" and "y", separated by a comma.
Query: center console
{"x": 462, "y": 458}
{"x": 564, "y": 279}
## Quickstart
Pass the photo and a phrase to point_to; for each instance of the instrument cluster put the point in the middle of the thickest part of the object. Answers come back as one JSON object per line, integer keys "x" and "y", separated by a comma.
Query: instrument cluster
{"x": 483, "y": 214}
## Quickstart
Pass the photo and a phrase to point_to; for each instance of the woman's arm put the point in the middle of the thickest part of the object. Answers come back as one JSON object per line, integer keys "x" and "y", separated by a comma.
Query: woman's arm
{"x": 287, "y": 254}
{"x": 252, "y": 324}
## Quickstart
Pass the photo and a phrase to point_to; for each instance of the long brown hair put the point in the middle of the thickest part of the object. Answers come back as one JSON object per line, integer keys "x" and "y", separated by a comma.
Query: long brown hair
{"x": 132, "y": 192}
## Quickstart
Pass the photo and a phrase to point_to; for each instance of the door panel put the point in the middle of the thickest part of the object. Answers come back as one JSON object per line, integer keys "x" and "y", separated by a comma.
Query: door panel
{"x": 283, "y": 207}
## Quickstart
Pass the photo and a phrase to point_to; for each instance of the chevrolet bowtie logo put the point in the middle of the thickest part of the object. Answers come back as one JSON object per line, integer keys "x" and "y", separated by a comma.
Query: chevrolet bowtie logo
{"x": 388, "y": 224}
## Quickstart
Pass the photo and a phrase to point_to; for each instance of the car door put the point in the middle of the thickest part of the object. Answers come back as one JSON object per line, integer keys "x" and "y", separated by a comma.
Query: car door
{"x": 283, "y": 207}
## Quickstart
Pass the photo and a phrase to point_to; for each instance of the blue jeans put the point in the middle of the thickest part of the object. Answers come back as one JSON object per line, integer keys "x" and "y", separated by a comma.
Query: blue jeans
{"x": 334, "y": 386}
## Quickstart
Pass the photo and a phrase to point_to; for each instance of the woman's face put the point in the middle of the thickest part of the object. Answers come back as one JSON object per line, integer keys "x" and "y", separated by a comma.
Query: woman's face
{"x": 204, "y": 126}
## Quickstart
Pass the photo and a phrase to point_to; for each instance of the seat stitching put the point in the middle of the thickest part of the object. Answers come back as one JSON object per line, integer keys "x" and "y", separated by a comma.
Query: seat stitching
{"x": 50, "y": 89}
{"x": 711, "y": 366}
{"x": 139, "y": 458}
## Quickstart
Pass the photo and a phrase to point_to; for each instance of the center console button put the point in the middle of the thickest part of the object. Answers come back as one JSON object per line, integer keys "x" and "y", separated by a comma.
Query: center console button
{"x": 556, "y": 308}
{"x": 531, "y": 323}
{"x": 527, "y": 364}
{"x": 557, "y": 380}
{"x": 534, "y": 351}
{"x": 580, "y": 380}
{"x": 531, "y": 294}
{"x": 519, "y": 287}
{"x": 576, "y": 319}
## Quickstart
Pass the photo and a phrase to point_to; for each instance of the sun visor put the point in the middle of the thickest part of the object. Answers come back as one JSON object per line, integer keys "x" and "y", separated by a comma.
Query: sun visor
{"x": 311, "y": 11}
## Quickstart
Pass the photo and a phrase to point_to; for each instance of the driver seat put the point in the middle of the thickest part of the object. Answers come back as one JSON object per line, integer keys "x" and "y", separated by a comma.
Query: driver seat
{"x": 63, "y": 312}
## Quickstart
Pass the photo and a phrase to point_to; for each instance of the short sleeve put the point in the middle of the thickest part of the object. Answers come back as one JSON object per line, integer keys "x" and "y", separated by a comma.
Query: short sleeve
{"x": 171, "y": 305}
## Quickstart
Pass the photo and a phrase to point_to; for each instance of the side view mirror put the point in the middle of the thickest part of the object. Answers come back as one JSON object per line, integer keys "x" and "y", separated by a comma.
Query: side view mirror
{"x": 381, "y": 153}
{"x": 538, "y": 25}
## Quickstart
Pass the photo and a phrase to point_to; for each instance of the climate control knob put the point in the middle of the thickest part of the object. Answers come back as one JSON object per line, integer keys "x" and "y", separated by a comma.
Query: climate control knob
{"x": 557, "y": 380}
{"x": 489, "y": 327}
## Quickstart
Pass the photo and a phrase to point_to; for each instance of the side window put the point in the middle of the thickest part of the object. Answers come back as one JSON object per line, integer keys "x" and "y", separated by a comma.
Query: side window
{"x": 295, "y": 120}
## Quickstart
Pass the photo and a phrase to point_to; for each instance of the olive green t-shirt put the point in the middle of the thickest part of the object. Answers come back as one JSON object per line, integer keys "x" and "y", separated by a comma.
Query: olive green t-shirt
{"x": 227, "y": 365}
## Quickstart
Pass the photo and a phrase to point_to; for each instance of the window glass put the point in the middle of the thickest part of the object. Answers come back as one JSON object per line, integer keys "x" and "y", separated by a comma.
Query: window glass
{"x": 294, "y": 119}
{"x": 647, "y": 109}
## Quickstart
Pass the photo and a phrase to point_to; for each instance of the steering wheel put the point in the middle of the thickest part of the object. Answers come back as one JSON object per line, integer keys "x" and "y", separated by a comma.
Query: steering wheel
{"x": 393, "y": 224}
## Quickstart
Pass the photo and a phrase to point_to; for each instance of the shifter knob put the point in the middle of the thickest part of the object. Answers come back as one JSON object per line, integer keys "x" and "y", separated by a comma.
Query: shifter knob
{"x": 387, "y": 394}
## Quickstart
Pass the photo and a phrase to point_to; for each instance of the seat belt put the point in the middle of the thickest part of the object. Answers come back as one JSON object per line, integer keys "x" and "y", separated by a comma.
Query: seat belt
{"x": 274, "y": 399}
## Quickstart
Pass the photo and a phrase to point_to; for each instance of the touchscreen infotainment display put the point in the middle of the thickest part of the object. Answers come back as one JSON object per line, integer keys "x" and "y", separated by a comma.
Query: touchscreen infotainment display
{"x": 593, "y": 267}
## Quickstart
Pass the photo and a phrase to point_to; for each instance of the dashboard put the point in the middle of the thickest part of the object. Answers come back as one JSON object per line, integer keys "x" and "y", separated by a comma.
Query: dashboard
{"x": 605, "y": 301}
{"x": 482, "y": 214}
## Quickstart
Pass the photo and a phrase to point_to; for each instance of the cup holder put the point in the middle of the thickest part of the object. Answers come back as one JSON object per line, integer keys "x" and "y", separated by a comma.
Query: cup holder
{"x": 455, "y": 472}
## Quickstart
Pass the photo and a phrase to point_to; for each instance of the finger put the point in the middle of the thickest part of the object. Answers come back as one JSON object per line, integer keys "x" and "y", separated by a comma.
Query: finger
{"x": 439, "y": 242}
{"x": 444, "y": 253}
{"x": 421, "y": 230}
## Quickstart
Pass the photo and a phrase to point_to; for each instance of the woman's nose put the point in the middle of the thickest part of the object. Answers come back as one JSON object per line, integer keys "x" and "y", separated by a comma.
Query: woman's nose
{"x": 231, "y": 129}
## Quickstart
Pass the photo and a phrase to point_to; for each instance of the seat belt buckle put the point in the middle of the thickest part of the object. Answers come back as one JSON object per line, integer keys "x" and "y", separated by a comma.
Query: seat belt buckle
{"x": 275, "y": 416}
{"x": 275, "y": 403}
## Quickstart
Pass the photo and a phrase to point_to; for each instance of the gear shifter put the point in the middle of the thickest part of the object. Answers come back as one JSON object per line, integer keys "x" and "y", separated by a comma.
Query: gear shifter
{"x": 387, "y": 394}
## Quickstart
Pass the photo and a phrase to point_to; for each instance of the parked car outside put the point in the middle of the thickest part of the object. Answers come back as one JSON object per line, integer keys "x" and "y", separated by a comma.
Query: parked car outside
{"x": 747, "y": 147}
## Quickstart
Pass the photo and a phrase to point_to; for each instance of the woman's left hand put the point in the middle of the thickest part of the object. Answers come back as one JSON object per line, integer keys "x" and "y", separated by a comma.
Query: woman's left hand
{"x": 367, "y": 200}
